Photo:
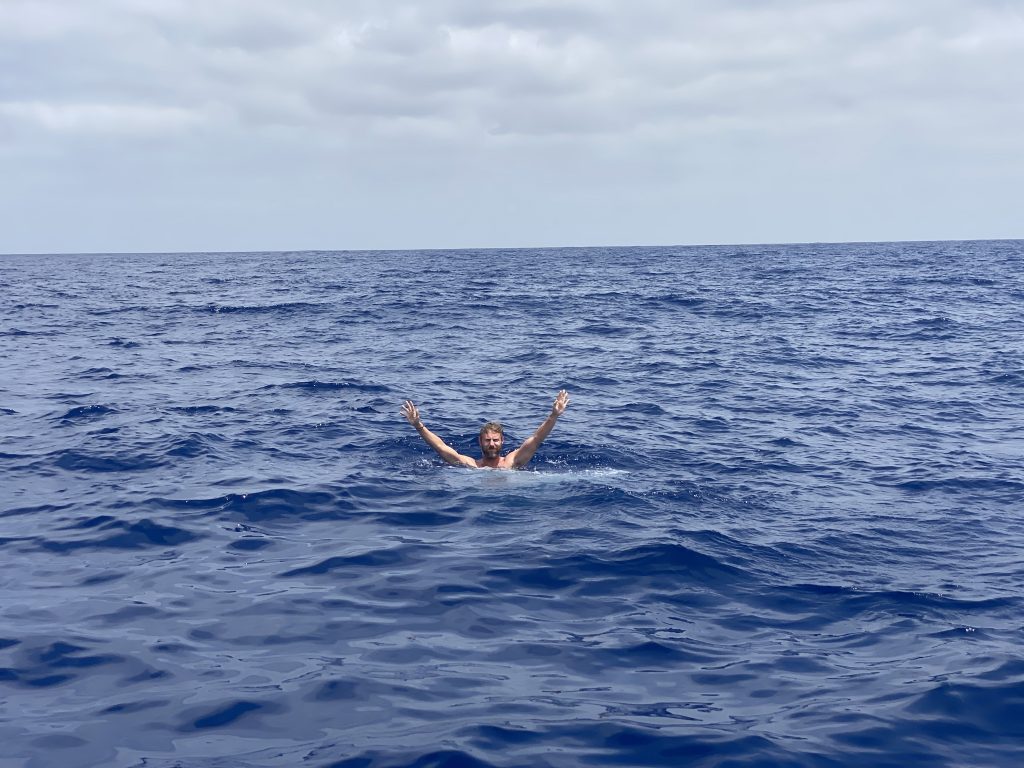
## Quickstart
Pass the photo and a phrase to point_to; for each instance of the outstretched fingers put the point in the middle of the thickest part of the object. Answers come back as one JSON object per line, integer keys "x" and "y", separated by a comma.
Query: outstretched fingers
{"x": 561, "y": 401}
{"x": 411, "y": 413}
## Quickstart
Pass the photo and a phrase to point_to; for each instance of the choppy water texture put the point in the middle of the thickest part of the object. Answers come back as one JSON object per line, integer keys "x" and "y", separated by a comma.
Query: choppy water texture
{"x": 779, "y": 524}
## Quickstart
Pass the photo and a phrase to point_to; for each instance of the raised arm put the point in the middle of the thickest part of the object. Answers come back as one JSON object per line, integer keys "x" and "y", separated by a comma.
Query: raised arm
{"x": 444, "y": 450}
{"x": 522, "y": 455}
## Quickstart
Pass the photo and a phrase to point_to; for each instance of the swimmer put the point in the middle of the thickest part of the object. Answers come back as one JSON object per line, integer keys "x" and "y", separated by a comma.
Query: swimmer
{"x": 491, "y": 438}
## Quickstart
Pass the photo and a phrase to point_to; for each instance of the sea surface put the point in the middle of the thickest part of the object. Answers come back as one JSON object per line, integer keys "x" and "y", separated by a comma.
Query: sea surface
{"x": 781, "y": 522}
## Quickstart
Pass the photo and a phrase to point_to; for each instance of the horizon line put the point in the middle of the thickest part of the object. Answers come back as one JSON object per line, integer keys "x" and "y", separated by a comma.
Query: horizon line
{"x": 507, "y": 248}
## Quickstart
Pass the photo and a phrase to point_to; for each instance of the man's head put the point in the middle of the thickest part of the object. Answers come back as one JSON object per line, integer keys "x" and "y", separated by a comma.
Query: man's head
{"x": 492, "y": 436}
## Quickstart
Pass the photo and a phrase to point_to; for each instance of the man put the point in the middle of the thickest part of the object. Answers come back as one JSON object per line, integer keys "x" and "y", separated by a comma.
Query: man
{"x": 491, "y": 439}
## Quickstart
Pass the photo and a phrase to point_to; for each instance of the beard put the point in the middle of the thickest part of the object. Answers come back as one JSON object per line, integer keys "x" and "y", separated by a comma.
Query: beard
{"x": 491, "y": 453}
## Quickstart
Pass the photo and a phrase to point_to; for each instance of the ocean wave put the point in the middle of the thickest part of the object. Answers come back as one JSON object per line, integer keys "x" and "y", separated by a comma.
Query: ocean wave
{"x": 124, "y": 343}
{"x": 90, "y": 461}
{"x": 107, "y": 532}
{"x": 202, "y": 410}
{"x": 82, "y": 412}
{"x": 352, "y": 565}
{"x": 283, "y": 308}
{"x": 120, "y": 309}
{"x": 281, "y": 504}
{"x": 99, "y": 373}
{"x": 36, "y": 509}
{"x": 329, "y": 386}
{"x": 19, "y": 333}
{"x": 649, "y": 566}
{"x": 45, "y": 662}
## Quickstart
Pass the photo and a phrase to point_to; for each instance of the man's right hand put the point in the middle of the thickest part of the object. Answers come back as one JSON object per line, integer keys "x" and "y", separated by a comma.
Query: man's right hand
{"x": 561, "y": 401}
{"x": 411, "y": 413}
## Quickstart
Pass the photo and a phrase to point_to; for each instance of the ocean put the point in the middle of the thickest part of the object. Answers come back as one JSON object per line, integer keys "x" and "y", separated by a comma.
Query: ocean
{"x": 779, "y": 524}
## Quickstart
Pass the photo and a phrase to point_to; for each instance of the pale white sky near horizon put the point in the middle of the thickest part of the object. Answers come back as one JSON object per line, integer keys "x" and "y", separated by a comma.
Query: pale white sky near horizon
{"x": 180, "y": 125}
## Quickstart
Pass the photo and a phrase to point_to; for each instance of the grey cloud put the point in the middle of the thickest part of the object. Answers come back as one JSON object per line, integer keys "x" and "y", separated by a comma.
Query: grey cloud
{"x": 553, "y": 20}
{"x": 666, "y": 92}
{"x": 466, "y": 62}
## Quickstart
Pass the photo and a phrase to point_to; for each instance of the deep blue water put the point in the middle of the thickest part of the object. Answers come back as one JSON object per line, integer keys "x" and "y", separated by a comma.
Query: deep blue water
{"x": 780, "y": 523}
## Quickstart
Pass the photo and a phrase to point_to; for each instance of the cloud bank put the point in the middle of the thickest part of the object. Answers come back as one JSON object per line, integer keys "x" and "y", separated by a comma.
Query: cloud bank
{"x": 249, "y": 124}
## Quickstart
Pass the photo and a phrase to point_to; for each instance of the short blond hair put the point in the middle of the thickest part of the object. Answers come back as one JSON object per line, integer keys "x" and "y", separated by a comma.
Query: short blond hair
{"x": 492, "y": 426}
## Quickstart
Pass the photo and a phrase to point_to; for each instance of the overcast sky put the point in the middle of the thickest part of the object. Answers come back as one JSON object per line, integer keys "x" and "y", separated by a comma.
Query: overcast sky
{"x": 184, "y": 125}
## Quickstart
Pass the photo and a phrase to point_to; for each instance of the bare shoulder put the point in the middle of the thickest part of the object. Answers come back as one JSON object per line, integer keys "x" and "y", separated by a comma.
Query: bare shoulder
{"x": 509, "y": 461}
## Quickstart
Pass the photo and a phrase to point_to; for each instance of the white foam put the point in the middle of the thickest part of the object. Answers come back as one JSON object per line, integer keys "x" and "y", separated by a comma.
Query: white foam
{"x": 529, "y": 478}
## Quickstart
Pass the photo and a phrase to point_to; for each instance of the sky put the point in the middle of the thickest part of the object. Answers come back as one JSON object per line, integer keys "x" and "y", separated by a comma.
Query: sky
{"x": 264, "y": 125}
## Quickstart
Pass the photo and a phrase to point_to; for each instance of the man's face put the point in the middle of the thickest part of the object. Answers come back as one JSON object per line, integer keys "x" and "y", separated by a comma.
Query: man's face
{"x": 490, "y": 444}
